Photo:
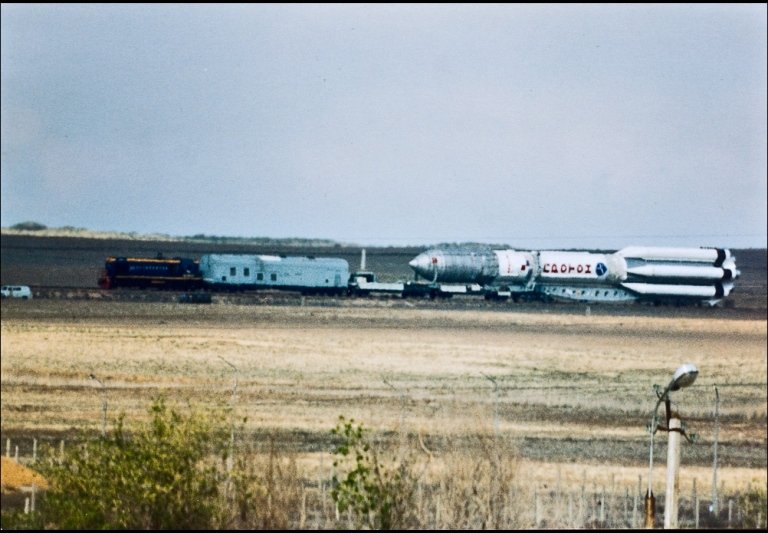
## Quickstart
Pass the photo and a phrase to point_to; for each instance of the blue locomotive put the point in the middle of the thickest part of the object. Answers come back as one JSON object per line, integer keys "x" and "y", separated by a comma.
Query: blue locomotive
{"x": 160, "y": 272}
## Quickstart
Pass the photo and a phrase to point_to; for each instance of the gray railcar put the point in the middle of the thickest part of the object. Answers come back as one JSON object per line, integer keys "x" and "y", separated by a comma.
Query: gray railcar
{"x": 247, "y": 272}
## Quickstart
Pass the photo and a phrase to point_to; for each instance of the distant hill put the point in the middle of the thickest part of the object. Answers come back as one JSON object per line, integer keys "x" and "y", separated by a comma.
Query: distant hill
{"x": 35, "y": 229}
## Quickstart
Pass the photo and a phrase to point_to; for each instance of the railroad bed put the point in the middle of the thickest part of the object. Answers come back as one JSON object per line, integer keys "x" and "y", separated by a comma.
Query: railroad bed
{"x": 458, "y": 302}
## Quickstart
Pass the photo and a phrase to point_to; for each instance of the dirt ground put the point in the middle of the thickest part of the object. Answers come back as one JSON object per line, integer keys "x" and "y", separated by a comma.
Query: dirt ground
{"x": 571, "y": 385}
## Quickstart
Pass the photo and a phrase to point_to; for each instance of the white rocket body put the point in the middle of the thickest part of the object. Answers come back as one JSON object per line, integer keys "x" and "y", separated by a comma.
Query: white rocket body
{"x": 634, "y": 272}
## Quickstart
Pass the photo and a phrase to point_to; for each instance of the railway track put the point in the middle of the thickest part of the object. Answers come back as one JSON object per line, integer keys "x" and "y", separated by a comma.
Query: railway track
{"x": 153, "y": 295}
{"x": 460, "y": 302}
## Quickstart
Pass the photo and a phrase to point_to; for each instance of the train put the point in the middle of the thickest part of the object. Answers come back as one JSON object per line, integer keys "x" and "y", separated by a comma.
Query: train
{"x": 228, "y": 272}
{"x": 678, "y": 275}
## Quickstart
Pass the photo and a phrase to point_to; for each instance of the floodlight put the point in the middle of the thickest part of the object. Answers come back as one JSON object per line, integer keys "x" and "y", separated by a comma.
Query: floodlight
{"x": 684, "y": 376}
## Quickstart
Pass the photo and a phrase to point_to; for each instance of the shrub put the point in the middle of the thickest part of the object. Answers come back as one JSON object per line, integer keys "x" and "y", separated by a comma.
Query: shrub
{"x": 378, "y": 497}
{"x": 159, "y": 478}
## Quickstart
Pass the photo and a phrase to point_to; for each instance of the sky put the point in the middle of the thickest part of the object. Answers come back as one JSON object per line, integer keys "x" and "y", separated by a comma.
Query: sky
{"x": 537, "y": 126}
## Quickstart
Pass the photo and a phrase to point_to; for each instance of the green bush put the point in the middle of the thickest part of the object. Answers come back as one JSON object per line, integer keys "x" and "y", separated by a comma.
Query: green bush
{"x": 378, "y": 497}
{"x": 160, "y": 477}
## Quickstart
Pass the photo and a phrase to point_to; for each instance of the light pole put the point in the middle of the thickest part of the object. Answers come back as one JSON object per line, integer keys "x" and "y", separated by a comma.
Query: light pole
{"x": 103, "y": 405}
{"x": 683, "y": 377}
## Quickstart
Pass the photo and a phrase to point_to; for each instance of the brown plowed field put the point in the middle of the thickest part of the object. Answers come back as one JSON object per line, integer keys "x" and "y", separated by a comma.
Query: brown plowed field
{"x": 573, "y": 383}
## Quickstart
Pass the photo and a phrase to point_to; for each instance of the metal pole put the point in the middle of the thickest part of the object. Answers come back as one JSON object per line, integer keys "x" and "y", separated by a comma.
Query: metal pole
{"x": 673, "y": 474}
{"x": 714, "y": 509}
{"x": 695, "y": 504}
{"x": 103, "y": 405}
{"x": 650, "y": 500}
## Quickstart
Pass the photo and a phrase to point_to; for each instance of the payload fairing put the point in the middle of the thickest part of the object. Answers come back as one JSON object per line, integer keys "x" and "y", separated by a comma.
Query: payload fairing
{"x": 632, "y": 273}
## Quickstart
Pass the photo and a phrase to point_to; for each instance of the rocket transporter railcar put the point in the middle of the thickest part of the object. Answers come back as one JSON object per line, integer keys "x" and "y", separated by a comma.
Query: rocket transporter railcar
{"x": 633, "y": 273}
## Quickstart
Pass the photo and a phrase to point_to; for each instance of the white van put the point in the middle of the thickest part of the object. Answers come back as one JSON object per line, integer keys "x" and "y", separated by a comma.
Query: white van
{"x": 16, "y": 291}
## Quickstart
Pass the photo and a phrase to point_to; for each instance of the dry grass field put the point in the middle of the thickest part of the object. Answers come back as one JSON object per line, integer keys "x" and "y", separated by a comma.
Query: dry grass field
{"x": 569, "y": 386}
{"x": 574, "y": 392}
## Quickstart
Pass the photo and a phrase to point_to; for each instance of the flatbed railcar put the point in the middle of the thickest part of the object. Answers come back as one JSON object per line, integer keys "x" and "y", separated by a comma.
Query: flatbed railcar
{"x": 159, "y": 272}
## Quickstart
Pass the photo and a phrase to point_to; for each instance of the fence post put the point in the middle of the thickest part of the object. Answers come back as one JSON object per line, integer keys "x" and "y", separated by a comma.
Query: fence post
{"x": 321, "y": 485}
{"x": 715, "y": 509}
{"x": 602, "y": 507}
{"x": 558, "y": 499}
{"x": 419, "y": 498}
{"x": 633, "y": 525}
{"x": 695, "y": 501}
{"x": 303, "y": 516}
{"x": 610, "y": 511}
{"x": 626, "y": 507}
{"x": 583, "y": 500}
{"x": 595, "y": 516}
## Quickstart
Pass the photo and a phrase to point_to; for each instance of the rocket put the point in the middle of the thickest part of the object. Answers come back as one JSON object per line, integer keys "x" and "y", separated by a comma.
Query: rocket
{"x": 634, "y": 272}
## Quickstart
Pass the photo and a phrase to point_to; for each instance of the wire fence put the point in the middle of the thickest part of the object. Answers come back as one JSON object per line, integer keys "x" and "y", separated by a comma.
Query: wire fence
{"x": 481, "y": 497}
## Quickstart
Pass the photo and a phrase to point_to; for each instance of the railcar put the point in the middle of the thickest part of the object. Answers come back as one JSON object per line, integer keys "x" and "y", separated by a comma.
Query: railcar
{"x": 159, "y": 272}
{"x": 307, "y": 274}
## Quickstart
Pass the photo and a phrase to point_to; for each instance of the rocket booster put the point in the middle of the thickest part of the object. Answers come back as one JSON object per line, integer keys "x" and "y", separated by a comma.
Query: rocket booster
{"x": 642, "y": 271}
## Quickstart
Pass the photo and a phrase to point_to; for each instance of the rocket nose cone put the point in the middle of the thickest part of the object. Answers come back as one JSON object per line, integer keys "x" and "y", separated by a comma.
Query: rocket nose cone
{"x": 422, "y": 264}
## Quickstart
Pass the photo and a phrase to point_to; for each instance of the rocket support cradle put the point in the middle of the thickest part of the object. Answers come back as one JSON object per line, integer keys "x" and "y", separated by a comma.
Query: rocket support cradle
{"x": 635, "y": 272}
